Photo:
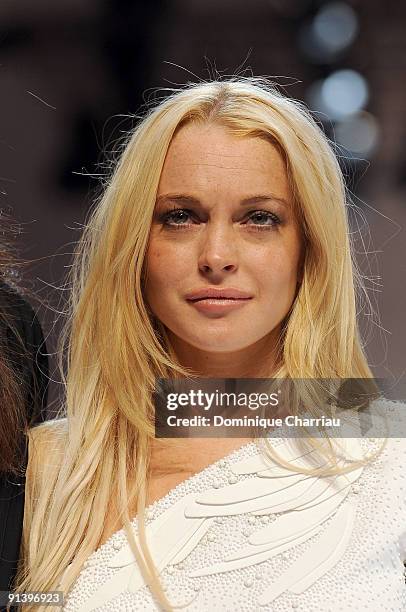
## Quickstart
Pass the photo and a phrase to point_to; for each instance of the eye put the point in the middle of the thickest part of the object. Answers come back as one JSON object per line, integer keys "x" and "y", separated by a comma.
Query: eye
{"x": 182, "y": 217}
{"x": 176, "y": 217}
{"x": 263, "y": 219}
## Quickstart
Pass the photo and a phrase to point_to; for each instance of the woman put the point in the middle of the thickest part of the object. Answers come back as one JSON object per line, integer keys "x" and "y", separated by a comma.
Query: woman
{"x": 23, "y": 391}
{"x": 220, "y": 249}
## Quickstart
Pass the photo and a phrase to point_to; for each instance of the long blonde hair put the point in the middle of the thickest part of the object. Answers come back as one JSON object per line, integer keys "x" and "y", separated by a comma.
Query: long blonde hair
{"x": 116, "y": 349}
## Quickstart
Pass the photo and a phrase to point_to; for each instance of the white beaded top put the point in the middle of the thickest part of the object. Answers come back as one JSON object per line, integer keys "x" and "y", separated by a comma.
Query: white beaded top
{"x": 245, "y": 534}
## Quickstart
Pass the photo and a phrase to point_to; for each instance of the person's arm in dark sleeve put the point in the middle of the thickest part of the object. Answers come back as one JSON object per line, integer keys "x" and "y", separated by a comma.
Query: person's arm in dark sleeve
{"x": 26, "y": 353}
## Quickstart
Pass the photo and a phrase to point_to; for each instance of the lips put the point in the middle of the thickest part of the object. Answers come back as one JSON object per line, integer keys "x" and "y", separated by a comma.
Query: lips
{"x": 218, "y": 293}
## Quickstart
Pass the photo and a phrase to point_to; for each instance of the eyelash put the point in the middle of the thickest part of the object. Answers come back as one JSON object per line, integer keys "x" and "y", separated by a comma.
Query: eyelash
{"x": 165, "y": 218}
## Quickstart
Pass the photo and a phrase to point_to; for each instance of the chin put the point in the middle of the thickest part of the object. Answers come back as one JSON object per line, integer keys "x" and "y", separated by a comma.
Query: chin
{"x": 217, "y": 348}
{"x": 216, "y": 337}
{"x": 222, "y": 343}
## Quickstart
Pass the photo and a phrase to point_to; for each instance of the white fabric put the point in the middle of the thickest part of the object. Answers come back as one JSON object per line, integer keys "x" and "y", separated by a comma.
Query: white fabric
{"x": 246, "y": 534}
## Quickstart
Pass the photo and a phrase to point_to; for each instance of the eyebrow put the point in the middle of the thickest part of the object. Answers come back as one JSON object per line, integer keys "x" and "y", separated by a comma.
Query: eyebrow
{"x": 185, "y": 199}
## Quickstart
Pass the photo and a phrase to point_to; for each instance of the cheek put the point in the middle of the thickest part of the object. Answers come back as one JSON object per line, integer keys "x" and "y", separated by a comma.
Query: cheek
{"x": 278, "y": 271}
{"x": 166, "y": 266}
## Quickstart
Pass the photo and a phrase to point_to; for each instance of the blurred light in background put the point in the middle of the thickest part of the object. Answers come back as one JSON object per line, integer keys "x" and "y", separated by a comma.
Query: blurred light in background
{"x": 342, "y": 93}
{"x": 332, "y": 30}
{"x": 358, "y": 134}
{"x": 335, "y": 27}
{"x": 339, "y": 102}
{"x": 339, "y": 99}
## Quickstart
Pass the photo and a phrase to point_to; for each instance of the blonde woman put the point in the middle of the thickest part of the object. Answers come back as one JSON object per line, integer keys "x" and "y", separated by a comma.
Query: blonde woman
{"x": 219, "y": 249}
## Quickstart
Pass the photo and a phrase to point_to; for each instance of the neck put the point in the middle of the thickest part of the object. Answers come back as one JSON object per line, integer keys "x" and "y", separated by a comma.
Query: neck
{"x": 186, "y": 456}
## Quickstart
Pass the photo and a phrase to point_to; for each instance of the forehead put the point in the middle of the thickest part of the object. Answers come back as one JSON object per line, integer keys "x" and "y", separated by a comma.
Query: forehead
{"x": 201, "y": 154}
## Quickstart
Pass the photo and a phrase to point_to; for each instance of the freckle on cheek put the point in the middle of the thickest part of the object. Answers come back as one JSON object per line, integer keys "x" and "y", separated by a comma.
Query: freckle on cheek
{"x": 155, "y": 255}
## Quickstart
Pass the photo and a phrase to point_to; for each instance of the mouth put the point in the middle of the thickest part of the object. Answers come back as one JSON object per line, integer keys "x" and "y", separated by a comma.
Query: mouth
{"x": 215, "y": 302}
{"x": 218, "y": 294}
{"x": 215, "y": 307}
{"x": 219, "y": 300}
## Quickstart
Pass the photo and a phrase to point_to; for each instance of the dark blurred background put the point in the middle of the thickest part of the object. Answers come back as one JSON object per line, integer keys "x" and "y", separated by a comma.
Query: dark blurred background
{"x": 71, "y": 70}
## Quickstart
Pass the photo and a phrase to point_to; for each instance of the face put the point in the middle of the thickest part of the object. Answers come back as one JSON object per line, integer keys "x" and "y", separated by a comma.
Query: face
{"x": 225, "y": 247}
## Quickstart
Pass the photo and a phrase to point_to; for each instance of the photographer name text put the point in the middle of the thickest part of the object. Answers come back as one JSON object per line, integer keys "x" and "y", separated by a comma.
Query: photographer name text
{"x": 257, "y": 421}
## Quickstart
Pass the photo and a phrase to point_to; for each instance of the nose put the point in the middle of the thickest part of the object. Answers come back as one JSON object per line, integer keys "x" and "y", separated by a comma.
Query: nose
{"x": 218, "y": 250}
